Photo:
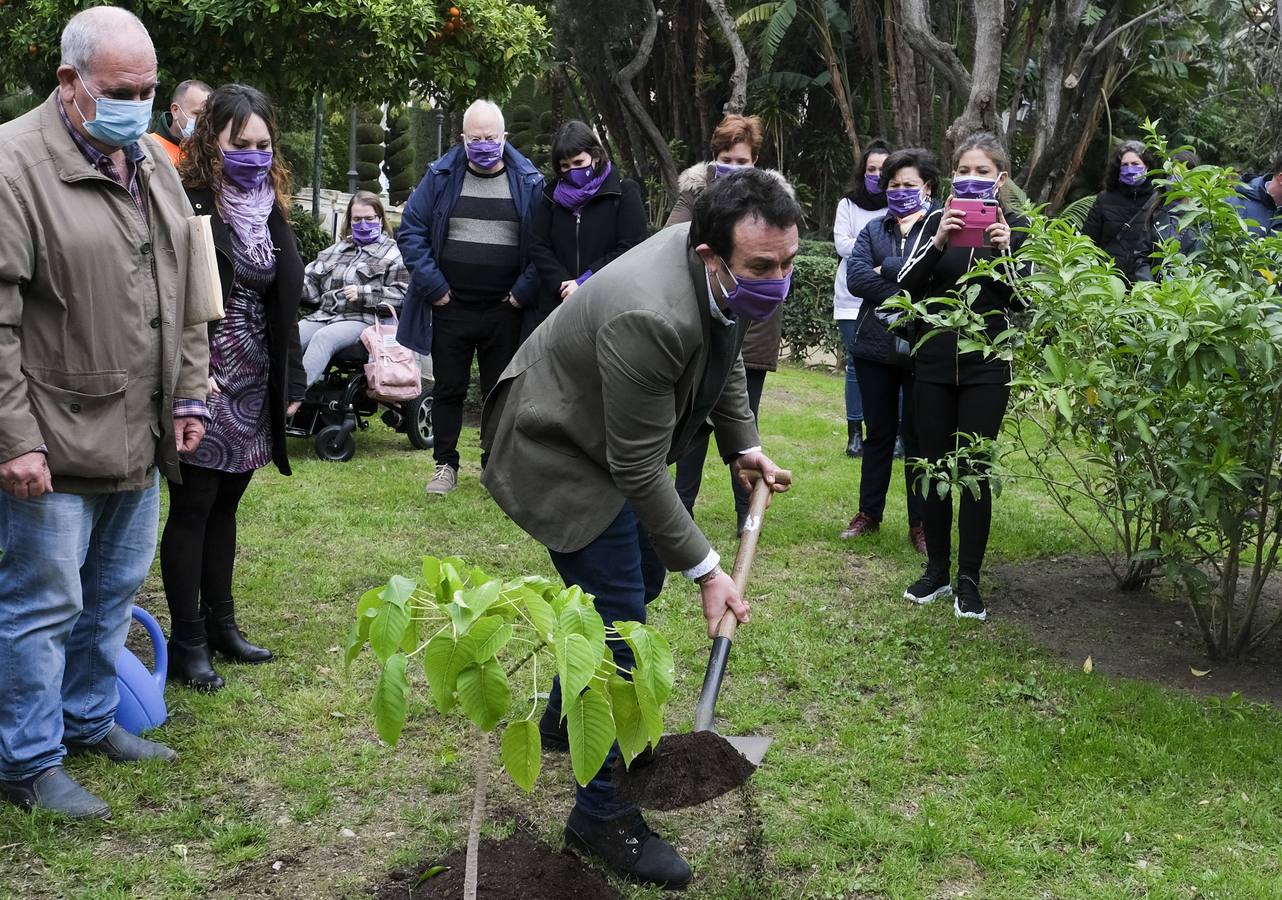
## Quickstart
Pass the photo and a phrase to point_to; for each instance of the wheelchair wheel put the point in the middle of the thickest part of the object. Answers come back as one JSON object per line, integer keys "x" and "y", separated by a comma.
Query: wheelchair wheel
{"x": 418, "y": 421}
{"x": 333, "y": 445}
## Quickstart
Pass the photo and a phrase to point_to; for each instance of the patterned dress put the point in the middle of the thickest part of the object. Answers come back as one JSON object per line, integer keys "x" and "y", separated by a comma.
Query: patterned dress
{"x": 239, "y": 435}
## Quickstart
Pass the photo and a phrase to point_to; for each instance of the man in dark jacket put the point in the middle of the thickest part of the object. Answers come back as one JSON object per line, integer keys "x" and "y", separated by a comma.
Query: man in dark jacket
{"x": 465, "y": 238}
{"x": 1259, "y": 198}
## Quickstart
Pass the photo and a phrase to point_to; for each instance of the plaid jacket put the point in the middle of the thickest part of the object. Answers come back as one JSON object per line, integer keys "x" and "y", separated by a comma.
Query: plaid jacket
{"x": 377, "y": 271}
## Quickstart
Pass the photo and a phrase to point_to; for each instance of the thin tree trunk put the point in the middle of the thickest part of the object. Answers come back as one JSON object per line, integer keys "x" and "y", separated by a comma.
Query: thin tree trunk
{"x": 471, "y": 873}
{"x": 739, "y": 78}
{"x": 915, "y": 21}
{"x": 623, "y": 81}
{"x": 819, "y": 19}
{"x": 980, "y": 111}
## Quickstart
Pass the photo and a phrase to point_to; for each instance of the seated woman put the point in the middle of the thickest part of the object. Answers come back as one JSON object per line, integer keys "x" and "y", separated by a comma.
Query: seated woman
{"x": 347, "y": 283}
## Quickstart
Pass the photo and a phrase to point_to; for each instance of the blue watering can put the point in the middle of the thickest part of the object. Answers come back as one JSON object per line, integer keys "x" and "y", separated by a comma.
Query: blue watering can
{"x": 142, "y": 693}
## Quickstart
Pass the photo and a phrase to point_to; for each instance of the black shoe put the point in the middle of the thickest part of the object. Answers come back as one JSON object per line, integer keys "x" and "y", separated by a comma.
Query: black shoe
{"x": 969, "y": 603}
{"x": 122, "y": 746}
{"x": 191, "y": 663}
{"x": 854, "y": 439}
{"x": 554, "y": 732}
{"x": 931, "y": 586}
{"x": 53, "y": 790}
{"x": 629, "y": 847}
{"x": 899, "y": 448}
{"x": 225, "y": 637}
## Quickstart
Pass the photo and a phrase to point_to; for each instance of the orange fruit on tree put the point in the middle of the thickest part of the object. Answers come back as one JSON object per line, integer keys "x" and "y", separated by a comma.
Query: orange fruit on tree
{"x": 454, "y": 12}
{"x": 32, "y": 49}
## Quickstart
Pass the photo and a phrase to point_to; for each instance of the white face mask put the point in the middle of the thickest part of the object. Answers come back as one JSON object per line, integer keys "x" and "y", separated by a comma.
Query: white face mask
{"x": 189, "y": 126}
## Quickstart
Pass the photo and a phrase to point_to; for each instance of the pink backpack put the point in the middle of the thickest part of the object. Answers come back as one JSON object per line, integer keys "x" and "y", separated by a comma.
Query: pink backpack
{"x": 392, "y": 374}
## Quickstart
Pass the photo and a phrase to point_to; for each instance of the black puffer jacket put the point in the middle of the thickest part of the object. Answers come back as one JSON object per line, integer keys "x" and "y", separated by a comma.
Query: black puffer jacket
{"x": 1120, "y": 224}
{"x": 931, "y": 272}
{"x": 564, "y": 246}
{"x": 882, "y": 246}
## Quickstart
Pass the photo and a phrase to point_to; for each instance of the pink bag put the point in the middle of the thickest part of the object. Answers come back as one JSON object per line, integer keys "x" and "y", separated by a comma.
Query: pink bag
{"x": 392, "y": 374}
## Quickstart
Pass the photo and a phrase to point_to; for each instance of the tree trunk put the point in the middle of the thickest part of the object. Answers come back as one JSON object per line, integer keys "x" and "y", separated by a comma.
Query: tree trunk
{"x": 865, "y": 26}
{"x": 837, "y": 78}
{"x": 632, "y": 103}
{"x": 901, "y": 64}
{"x": 914, "y": 19}
{"x": 471, "y": 873}
{"x": 739, "y": 78}
{"x": 980, "y": 112}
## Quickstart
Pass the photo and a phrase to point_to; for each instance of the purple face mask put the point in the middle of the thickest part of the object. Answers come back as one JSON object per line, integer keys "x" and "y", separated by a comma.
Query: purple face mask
{"x": 365, "y": 233}
{"x": 756, "y": 299}
{"x": 1132, "y": 174}
{"x": 484, "y": 154}
{"x": 247, "y": 169}
{"x": 579, "y": 177}
{"x": 903, "y": 202}
{"x": 872, "y": 183}
{"x": 974, "y": 188}
{"x": 724, "y": 169}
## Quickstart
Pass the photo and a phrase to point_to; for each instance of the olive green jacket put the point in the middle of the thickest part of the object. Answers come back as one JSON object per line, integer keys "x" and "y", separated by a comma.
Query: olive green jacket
{"x": 93, "y": 343}
{"x": 587, "y": 414}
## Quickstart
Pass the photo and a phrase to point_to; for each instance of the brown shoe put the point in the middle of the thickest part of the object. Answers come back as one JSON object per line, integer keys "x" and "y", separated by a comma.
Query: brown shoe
{"x": 860, "y": 525}
{"x": 917, "y": 537}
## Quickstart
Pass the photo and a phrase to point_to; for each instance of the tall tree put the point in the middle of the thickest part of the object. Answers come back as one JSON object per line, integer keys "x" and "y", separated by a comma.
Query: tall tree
{"x": 739, "y": 80}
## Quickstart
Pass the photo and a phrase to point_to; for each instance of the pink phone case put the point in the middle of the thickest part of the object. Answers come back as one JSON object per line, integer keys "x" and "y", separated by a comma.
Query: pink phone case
{"x": 979, "y": 215}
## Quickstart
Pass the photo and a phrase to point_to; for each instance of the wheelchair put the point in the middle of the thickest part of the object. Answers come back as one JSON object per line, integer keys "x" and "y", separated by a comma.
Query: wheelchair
{"x": 338, "y": 405}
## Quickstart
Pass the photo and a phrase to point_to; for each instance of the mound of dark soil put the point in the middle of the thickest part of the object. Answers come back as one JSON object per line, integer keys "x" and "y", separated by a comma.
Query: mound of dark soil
{"x": 683, "y": 770}
{"x": 516, "y": 868}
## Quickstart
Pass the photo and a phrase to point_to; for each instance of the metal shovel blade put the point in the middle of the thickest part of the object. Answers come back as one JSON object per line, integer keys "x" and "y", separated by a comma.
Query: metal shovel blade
{"x": 752, "y": 748}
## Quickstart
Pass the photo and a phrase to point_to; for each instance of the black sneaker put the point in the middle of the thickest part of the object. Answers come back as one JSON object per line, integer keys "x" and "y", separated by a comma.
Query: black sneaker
{"x": 554, "y": 732}
{"x": 969, "y": 604}
{"x": 629, "y": 847}
{"x": 931, "y": 586}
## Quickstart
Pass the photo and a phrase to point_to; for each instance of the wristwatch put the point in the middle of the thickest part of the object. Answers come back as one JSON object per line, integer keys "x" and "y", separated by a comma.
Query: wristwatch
{"x": 708, "y": 575}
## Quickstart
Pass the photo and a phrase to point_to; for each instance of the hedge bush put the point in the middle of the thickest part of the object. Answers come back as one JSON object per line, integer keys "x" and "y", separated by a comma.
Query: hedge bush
{"x": 808, "y": 326}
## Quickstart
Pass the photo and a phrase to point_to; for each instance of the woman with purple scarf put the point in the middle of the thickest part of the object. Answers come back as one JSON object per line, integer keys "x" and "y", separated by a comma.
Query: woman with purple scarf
{"x": 256, "y": 379}
{"x": 588, "y": 216}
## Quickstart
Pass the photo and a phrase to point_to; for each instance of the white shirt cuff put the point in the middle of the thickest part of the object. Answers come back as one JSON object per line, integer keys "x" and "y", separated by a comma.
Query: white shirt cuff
{"x": 709, "y": 563}
{"x": 750, "y": 450}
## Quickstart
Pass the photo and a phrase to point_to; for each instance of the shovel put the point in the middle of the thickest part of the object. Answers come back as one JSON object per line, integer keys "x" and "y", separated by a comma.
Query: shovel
{"x": 689, "y": 769}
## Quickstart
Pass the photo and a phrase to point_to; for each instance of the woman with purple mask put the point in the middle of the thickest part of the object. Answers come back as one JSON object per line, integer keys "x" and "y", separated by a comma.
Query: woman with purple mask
{"x": 347, "y": 283}
{"x": 232, "y": 174}
{"x": 1120, "y": 222}
{"x": 588, "y": 215}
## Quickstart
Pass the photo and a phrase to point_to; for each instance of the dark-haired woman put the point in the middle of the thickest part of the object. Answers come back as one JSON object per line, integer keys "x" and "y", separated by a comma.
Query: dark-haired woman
{"x": 1120, "y": 220}
{"x": 910, "y": 179}
{"x": 588, "y": 216}
{"x": 233, "y": 174}
{"x": 958, "y": 395}
{"x": 864, "y": 204}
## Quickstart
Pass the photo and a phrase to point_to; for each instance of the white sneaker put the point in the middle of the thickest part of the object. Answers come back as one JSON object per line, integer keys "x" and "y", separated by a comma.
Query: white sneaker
{"x": 444, "y": 480}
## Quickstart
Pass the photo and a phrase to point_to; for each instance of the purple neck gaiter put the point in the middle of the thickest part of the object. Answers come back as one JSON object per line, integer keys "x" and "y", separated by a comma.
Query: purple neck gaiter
{"x": 575, "y": 196}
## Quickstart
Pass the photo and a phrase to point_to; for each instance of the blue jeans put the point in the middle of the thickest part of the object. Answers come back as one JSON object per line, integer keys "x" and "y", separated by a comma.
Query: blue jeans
{"x": 622, "y": 571}
{"x": 70, "y": 567}
{"x": 854, "y": 400}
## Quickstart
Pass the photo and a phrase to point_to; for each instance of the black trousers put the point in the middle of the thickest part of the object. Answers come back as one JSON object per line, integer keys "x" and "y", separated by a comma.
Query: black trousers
{"x": 690, "y": 466}
{"x": 490, "y": 332}
{"x": 945, "y": 412}
{"x": 879, "y": 387}
{"x": 198, "y": 547}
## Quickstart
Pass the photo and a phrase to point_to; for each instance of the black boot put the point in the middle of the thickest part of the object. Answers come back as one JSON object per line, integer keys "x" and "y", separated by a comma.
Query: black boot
{"x": 190, "y": 661}
{"x": 225, "y": 637}
{"x": 854, "y": 439}
{"x": 629, "y": 847}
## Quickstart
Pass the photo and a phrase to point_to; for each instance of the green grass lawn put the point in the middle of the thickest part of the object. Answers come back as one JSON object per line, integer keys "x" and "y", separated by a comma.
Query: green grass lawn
{"x": 915, "y": 756}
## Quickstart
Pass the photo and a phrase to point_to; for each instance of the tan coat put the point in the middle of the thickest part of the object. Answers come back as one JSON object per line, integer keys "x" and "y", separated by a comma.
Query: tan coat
{"x": 93, "y": 348}
{"x": 761, "y": 345}
{"x": 585, "y": 416}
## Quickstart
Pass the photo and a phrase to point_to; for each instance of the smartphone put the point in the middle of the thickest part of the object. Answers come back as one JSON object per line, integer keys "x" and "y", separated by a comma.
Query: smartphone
{"x": 979, "y": 215}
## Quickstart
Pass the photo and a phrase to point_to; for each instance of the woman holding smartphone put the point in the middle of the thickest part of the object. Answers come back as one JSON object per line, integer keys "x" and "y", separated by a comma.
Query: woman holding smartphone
{"x": 958, "y": 395}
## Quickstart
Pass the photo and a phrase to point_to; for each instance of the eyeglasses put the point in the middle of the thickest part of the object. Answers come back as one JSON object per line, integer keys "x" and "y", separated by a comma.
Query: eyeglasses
{"x": 470, "y": 138}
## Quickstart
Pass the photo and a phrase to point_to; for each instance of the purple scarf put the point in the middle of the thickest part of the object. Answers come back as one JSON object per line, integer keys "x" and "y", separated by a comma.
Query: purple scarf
{"x": 245, "y": 213}
{"x": 575, "y": 198}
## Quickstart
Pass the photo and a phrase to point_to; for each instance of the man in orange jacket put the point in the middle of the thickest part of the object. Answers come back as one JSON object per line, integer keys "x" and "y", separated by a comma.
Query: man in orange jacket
{"x": 185, "y": 107}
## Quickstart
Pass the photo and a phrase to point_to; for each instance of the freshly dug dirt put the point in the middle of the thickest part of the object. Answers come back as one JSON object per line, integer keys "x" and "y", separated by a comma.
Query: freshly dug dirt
{"x": 684, "y": 770}
{"x": 516, "y": 868}
{"x": 1070, "y": 605}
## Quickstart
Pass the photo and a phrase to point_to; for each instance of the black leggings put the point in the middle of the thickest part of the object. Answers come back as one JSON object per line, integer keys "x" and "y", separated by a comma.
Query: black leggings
{"x": 945, "y": 411}
{"x": 198, "y": 548}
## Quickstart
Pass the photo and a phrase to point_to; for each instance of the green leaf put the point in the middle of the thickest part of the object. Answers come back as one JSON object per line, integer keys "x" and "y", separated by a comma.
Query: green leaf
{"x": 443, "y": 659}
{"x": 542, "y": 616}
{"x": 578, "y": 617}
{"x": 591, "y": 734}
{"x": 651, "y": 711}
{"x": 630, "y": 727}
{"x": 576, "y": 660}
{"x": 522, "y": 753}
{"x": 387, "y": 630}
{"x": 367, "y": 609}
{"x": 491, "y": 634}
{"x": 1063, "y": 405}
{"x": 653, "y": 657}
{"x": 470, "y": 604}
{"x": 355, "y": 643}
{"x": 389, "y": 699}
{"x": 432, "y": 576}
{"x": 483, "y": 693}
{"x": 399, "y": 590}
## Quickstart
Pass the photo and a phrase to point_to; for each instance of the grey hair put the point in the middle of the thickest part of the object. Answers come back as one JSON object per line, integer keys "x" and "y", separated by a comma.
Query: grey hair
{"x": 485, "y": 106}
{"x": 85, "y": 29}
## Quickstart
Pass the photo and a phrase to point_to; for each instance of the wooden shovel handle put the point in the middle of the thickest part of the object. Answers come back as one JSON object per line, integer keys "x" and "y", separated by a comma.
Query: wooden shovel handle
{"x": 748, "y": 541}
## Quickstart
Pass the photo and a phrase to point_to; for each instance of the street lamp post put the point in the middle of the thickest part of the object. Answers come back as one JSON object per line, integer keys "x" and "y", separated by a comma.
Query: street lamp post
{"x": 351, "y": 157}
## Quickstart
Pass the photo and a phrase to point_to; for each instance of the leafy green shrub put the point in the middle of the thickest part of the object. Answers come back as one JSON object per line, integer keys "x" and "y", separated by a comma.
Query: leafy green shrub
{"x": 807, "y": 315}
{"x": 817, "y": 247}
{"x": 311, "y": 238}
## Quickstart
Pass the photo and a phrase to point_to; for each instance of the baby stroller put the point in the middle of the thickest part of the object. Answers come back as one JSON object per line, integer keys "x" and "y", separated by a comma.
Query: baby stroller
{"x": 337, "y": 405}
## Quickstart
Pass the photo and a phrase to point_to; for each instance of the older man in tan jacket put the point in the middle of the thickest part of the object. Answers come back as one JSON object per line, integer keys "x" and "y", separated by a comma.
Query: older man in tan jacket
{"x": 102, "y": 383}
